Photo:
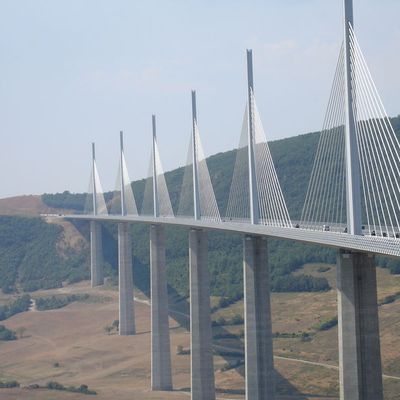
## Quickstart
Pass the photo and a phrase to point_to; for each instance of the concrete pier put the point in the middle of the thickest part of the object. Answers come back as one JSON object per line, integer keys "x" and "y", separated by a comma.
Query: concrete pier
{"x": 202, "y": 366}
{"x": 161, "y": 378}
{"x": 360, "y": 369}
{"x": 259, "y": 372}
{"x": 96, "y": 254}
{"x": 126, "y": 305}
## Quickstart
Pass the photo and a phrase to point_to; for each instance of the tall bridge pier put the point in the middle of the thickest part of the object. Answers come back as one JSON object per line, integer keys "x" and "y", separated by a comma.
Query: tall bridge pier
{"x": 96, "y": 254}
{"x": 161, "y": 377}
{"x": 125, "y": 280}
{"x": 202, "y": 367}
{"x": 257, "y": 315}
{"x": 360, "y": 369}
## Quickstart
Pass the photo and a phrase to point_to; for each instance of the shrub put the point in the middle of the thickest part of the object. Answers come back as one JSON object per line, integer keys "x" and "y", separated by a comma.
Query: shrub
{"x": 180, "y": 351}
{"x": 231, "y": 365}
{"x": 84, "y": 389}
{"x": 325, "y": 325}
{"x": 52, "y": 385}
{"x": 9, "y": 384}
{"x": 20, "y": 305}
{"x": 55, "y": 302}
{"x": 390, "y": 299}
{"x": 305, "y": 337}
{"x": 7, "y": 334}
{"x": 237, "y": 319}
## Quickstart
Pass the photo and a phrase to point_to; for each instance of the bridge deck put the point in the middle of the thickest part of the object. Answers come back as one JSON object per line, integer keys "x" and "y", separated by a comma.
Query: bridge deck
{"x": 371, "y": 244}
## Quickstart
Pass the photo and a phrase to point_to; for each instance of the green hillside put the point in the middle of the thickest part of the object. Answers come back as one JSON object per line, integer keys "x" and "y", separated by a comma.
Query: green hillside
{"x": 293, "y": 158}
{"x": 29, "y": 258}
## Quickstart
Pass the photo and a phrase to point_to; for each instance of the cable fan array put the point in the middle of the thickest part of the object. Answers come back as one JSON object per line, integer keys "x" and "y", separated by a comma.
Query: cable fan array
{"x": 273, "y": 210}
{"x": 325, "y": 199}
{"x": 238, "y": 208}
{"x": 95, "y": 204}
{"x": 271, "y": 203}
{"x": 378, "y": 153}
{"x": 123, "y": 185}
{"x": 208, "y": 204}
{"x": 164, "y": 201}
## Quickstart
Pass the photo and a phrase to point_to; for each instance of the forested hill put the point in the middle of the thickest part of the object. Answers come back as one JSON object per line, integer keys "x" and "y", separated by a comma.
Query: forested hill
{"x": 293, "y": 158}
{"x": 30, "y": 253}
{"x": 31, "y": 258}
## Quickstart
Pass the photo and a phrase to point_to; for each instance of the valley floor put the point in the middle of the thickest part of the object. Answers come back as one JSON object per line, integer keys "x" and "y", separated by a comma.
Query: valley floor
{"x": 70, "y": 346}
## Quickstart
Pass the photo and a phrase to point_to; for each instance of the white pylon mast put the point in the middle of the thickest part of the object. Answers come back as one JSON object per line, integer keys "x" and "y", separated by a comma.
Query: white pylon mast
{"x": 94, "y": 179}
{"x": 196, "y": 197}
{"x": 155, "y": 172}
{"x": 353, "y": 189}
{"x": 121, "y": 141}
{"x": 253, "y": 192}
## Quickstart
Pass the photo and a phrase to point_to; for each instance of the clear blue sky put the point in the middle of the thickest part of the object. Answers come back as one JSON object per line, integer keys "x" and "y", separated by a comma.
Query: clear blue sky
{"x": 74, "y": 71}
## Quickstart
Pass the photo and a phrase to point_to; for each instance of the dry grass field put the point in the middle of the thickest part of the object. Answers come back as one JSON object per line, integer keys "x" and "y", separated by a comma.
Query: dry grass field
{"x": 114, "y": 366}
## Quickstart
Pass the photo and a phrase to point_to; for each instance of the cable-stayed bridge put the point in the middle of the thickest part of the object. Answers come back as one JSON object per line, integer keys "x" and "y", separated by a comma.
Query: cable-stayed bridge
{"x": 352, "y": 204}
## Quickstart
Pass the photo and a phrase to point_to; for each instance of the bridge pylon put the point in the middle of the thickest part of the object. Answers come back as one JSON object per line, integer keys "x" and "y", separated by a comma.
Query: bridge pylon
{"x": 360, "y": 369}
{"x": 196, "y": 192}
{"x": 353, "y": 180}
{"x": 259, "y": 360}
